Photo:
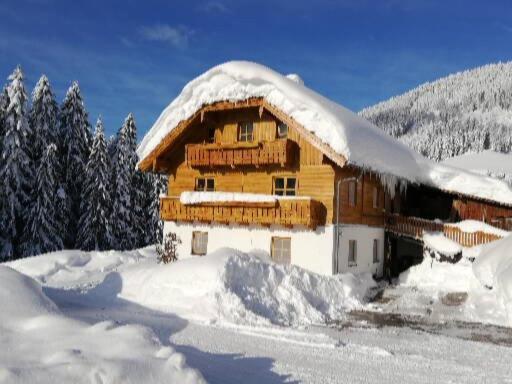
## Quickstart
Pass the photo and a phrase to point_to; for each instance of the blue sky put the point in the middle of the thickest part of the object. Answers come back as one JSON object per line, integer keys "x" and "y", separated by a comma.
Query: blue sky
{"x": 136, "y": 56}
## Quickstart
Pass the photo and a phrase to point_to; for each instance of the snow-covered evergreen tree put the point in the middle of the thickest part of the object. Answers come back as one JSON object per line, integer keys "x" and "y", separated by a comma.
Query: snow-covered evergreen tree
{"x": 42, "y": 233}
{"x": 94, "y": 227}
{"x": 43, "y": 118}
{"x": 123, "y": 171}
{"x": 74, "y": 151}
{"x": 15, "y": 168}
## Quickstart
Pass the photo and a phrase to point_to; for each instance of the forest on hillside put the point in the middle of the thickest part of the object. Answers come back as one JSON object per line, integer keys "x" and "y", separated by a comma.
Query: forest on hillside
{"x": 65, "y": 186}
{"x": 470, "y": 111}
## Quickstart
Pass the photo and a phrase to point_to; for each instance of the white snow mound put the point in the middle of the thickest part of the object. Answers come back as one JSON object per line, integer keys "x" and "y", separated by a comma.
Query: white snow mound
{"x": 41, "y": 345}
{"x": 437, "y": 241}
{"x": 231, "y": 286}
{"x": 348, "y": 134}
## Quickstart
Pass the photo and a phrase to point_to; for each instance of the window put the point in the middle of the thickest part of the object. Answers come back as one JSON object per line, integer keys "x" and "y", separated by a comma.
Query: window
{"x": 282, "y": 130}
{"x": 205, "y": 184}
{"x": 199, "y": 243}
{"x": 375, "y": 197}
{"x": 352, "y": 253}
{"x": 352, "y": 193}
{"x": 211, "y": 134}
{"x": 245, "y": 131}
{"x": 285, "y": 186}
{"x": 375, "y": 250}
{"x": 281, "y": 250}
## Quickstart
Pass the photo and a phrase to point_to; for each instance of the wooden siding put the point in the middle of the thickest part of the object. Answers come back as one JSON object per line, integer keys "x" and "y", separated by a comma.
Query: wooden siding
{"x": 467, "y": 209}
{"x": 286, "y": 212}
{"x": 414, "y": 227}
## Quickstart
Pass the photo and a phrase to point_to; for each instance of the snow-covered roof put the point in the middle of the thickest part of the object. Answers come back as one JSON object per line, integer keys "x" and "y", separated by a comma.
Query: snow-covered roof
{"x": 360, "y": 142}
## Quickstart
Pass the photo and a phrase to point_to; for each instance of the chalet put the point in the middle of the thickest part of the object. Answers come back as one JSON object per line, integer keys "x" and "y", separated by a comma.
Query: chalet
{"x": 257, "y": 160}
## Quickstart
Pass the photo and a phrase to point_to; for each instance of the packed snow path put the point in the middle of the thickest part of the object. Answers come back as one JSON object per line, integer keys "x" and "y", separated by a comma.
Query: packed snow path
{"x": 86, "y": 287}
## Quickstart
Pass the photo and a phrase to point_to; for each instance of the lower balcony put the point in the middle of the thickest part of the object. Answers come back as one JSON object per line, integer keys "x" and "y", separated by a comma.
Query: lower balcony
{"x": 283, "y": 211}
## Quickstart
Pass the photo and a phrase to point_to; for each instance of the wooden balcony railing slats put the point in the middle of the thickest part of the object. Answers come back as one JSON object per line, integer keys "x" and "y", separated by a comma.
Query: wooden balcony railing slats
{"x": 263, "y": 153}
{"x": 286, "y": 212}
{"x": 414, "y": 227}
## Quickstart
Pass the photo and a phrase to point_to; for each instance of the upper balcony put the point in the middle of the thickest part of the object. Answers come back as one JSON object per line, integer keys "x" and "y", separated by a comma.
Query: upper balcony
{"x": 277, "y": 152}
{"x": 284, "y": 211}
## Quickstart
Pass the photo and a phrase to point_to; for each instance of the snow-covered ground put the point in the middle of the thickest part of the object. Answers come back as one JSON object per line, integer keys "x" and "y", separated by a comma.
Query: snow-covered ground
{"x": 231, "y": 317}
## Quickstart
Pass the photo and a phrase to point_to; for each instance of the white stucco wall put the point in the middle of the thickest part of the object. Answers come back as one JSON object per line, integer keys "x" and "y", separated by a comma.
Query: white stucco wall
{"x": 364, "y": 236}
{"x": 311, "y": 250}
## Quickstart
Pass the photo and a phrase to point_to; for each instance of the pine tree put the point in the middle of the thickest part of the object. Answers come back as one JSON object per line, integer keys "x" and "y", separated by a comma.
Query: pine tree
{"x": 94, "y": 226}
{"x": 15, "y": 170}
{"x": 43, "y": 118}
{"x": 74, "y": 151}
{"x": 42, "y": 233}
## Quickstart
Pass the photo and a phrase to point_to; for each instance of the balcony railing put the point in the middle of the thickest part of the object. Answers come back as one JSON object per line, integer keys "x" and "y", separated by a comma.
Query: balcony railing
{"x": 286, "y": 212}
{"x": 414, "y": 227}
{"x": 280, "y": 152}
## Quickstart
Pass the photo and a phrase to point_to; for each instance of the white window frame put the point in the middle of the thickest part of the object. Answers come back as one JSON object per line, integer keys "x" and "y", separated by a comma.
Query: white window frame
{"x": 352, "y": 253}
{"x": 246, "y": 131}
{"x": 199, "y": 243}
{"x": 281, "y": 249}
{"x": 280, "y": 128}
{"x": 376, "y": 258}
{"x": 285, "y": 190}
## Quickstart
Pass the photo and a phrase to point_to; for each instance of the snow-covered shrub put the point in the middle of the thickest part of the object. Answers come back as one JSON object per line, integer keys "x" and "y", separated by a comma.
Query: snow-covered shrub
{"x": 168, "y": 252}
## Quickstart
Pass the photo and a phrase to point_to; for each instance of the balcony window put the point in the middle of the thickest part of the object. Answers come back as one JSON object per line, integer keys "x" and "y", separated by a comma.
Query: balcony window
{"x": 281, "y": 250}
{"x": 285, "y": 186}
{"x": 375, "y": 197}
{"x": 199, "y": 243}
{"x": 245, "y": 132}
{"x": 352, "y": 193}
{"x": 282, "y": 131}
{"x": 205, "y": 184}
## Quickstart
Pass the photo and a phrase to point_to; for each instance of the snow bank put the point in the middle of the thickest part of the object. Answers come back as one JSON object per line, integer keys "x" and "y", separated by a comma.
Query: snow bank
{"x": 475, "y": 226}
{"x": 438, "y": 242}
{"x": 348, "y": 134}
{"x": 40, "y": 345}
{"x": 242, "y": 288}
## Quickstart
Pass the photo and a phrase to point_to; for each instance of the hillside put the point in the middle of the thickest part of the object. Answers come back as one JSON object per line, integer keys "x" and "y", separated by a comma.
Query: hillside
{"x": 470, "y": 111}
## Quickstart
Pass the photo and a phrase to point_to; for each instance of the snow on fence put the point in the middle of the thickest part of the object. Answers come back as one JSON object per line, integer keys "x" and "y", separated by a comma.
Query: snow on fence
{"x": 414, "y": 227}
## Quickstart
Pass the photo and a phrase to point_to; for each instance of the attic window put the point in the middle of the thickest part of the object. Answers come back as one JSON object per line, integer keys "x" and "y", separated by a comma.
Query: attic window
{"x": 285, "y": 186}
{"x": 245, "y": 131}
{"x": 205, "y": 184}
{"x": 282, "y": 130}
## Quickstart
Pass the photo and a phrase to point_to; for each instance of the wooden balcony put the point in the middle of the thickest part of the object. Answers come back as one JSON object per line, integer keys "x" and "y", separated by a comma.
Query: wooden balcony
{"x": 414, "y": 227}
{"x": 278, "y": 152}
{"x": 286, "y": 212}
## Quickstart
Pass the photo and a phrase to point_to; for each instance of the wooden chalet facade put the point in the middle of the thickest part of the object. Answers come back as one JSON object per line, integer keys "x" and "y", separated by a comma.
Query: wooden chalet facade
{"x": 329, "y": 216}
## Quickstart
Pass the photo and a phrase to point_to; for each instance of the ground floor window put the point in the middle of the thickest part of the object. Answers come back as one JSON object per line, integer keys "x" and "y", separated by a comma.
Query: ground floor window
{"x": 375, "y": 250}
{"x": 199, "y": 243}
{"x": 281, "y": 250}
{"x": 352, "y": 253}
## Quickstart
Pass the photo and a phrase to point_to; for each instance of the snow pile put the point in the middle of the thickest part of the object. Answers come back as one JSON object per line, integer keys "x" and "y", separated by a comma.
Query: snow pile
{"x": 472, "y": 226}
{"x": 493, "y": 268}
{"x": 190, "y": 198}
{"x": 231, "y": 286}
{"x": 438, "y": 242}
{"x": 348, "y": 134}
{"x": 40, "y": 345}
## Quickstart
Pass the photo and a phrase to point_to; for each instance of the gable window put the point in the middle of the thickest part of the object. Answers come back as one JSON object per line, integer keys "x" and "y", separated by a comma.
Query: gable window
{"x": 281, "y": 250}
{"x": 282, "y": 131}
{"x": 352, "y": 253}
{"x": 285, "y": 186}
{"x": 205, "y": 184}
{"x": 352, "y": 193}
{"x": 375, "y": 250}
{"x": 245, "y": 131}
{"x": 375, "y": 197}
{"x": 211, "y": 134}
{"x": 199, "y": 243}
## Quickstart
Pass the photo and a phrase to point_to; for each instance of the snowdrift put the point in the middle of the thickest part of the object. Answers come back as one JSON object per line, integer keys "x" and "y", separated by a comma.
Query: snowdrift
{"x": 40, "y": 345}
{"x": 231, "y": 286}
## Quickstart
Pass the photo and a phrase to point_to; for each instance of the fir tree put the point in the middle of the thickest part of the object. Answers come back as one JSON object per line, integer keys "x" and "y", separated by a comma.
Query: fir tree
{"x": 74, "y": 150}
{"x": 15, "y": 170}
{"x": 94, "y": 227}
{"x": 43, "y": 118}
{"x": 42, "y": 231}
